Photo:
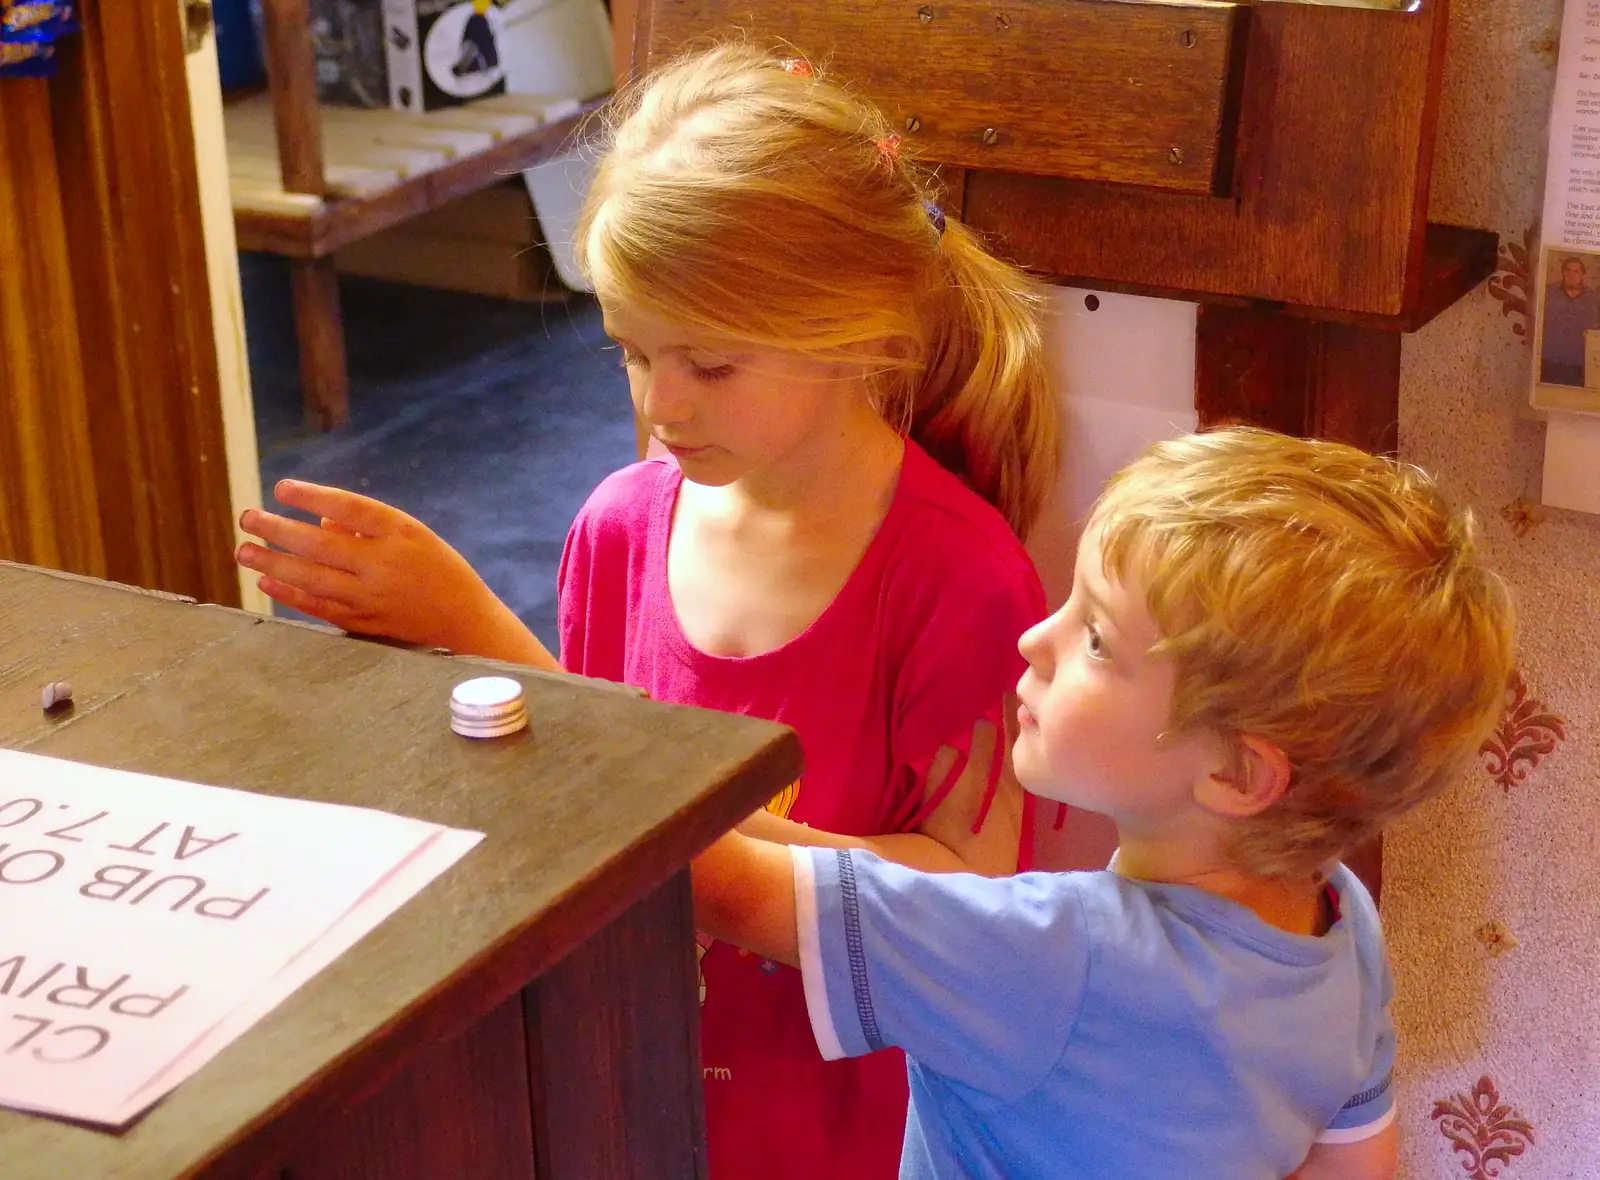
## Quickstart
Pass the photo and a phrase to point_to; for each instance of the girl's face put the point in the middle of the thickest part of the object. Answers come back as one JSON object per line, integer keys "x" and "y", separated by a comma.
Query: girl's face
{"x": 725, "y": 410}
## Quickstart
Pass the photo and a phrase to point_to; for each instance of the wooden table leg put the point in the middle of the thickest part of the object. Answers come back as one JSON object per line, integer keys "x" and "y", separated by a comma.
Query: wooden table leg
{"x": 319, "y": 329}
{"x": 614, "y": 1050}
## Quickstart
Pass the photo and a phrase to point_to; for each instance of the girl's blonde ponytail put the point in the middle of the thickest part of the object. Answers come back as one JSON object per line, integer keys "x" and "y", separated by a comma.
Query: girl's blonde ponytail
{"x": 984, "y": 405}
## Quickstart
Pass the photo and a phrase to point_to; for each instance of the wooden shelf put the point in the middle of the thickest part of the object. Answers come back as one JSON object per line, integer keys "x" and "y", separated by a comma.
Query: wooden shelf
{"x": 1454, "y": 261}
{"x": 384, "y": 167}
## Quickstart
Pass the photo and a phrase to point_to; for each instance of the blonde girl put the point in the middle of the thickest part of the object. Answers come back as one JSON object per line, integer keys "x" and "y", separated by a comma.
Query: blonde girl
{"x": 854, "y": 400}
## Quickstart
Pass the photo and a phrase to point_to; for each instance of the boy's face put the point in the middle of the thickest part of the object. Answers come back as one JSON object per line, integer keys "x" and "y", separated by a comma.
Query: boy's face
{"x": 1095, "y": 706}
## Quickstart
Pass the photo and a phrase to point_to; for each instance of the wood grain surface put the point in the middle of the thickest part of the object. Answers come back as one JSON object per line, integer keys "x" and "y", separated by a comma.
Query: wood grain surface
{"x": 594, "y": 808}
{"x": 1133, "y": 93}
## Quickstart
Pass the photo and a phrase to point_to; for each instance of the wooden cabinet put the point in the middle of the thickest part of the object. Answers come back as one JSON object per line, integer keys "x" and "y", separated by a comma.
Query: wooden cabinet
{"x": 1269, "y": 161}
{"x": 534, "y": 1011}
{"x": 1275, "y": 152}
{"x": 1136, "y": 93}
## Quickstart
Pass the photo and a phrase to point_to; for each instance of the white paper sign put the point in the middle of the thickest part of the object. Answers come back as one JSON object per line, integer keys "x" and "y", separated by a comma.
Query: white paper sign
{"x": 142, "y": 915}
{"x": 1565, "y": 279}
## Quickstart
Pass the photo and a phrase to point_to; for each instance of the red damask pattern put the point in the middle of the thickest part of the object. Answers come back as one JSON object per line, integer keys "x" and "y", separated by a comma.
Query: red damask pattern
{"x": 1509, "y": 284}
{"x": 1528, "y": 734}
{"x": 1488, "y": 1132}
{"x": 1497, "y": 937}
{"x": 1523, "y": 516}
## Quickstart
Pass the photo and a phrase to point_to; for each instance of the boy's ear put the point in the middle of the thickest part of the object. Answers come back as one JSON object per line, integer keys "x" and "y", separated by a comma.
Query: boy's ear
{"x": 1256, "y": 778}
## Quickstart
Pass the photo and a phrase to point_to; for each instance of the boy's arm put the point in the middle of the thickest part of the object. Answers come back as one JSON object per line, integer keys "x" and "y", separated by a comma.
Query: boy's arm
{"x": 944, "y": 841}
{"x": 744, "y": 894}
{"x": 890, "y": 956}
{"x": 1376, "y": 1158}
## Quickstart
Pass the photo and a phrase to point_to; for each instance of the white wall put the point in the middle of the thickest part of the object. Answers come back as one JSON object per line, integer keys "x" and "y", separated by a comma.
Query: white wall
{"x": 227, "y": 304}
{"x": 1126, "y": 369}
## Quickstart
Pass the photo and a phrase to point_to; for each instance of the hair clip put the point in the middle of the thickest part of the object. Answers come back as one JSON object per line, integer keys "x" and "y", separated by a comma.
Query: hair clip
{"x": 798, "y": 66}
{"x": 888, "y": 147}
{"x": 935, "y": 216}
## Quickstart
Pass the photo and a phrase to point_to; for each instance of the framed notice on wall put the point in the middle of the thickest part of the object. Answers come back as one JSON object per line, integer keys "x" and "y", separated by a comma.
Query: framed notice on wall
{"x": 1565, "y": 381}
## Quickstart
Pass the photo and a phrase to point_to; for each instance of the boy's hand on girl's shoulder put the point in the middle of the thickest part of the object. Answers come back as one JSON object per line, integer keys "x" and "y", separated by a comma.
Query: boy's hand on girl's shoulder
{"x": 372, "y": 569}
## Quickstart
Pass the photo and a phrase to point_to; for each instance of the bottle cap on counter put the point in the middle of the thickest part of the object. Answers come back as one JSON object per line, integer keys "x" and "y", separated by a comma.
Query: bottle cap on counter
{"x": 488, "y": 706}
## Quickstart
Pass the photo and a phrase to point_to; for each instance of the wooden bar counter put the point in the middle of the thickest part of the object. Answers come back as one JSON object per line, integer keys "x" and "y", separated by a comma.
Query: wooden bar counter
{"x": 534, "y": 1011}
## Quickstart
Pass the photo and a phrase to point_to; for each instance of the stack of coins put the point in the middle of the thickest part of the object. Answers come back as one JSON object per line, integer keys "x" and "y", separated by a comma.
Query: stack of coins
{"x": 490, "y": 706}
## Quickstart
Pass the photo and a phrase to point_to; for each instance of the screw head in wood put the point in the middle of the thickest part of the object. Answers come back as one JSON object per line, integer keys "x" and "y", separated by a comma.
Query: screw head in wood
{"x": 925, "y": 14}
{"x": 1002, "y": 22}
{"x": 1175, "y": 154}
{"x": 913, "y": 124}
{"x": 1187, "y": 38}
{"x": 990, "y": 137}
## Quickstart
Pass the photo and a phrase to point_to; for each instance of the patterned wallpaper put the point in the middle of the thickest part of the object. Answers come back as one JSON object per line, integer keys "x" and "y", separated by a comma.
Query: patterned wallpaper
{"x": 1492, "y": 907}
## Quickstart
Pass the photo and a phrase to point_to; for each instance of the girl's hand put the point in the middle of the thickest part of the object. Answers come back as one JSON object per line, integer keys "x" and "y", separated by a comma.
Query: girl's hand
{"x": 371, "y": 569}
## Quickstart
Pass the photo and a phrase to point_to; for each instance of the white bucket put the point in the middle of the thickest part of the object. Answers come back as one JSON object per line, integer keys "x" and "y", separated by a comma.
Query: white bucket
{"x": 560, "y": 48}
{"x": 557, "y": 187}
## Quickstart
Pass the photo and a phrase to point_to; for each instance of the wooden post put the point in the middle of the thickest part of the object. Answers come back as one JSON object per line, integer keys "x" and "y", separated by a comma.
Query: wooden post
{"x": 319, "y": 331}
{"x": 1299, "y": 376}
{"x": 622, "y": 24}
{"x": 292, "y": 79}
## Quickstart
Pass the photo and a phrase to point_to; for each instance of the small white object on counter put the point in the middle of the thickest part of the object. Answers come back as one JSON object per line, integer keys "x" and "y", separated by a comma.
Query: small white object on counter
{"x": 488, "y": 706}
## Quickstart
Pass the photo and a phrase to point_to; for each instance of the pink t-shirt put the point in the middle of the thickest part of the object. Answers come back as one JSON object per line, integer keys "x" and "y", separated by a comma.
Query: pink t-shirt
{"x": 919, "y": 644}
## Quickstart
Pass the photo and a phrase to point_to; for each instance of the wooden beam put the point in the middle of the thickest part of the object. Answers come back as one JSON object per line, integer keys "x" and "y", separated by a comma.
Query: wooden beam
{"x": 1137, "y": 94}
{"x": 1455, "y": 260}
{"x": 292, "y": 79}
{"x": 49, "y": 506}
{"x": 319, "y": 333}
{"x": 124, "y": 147}
{"x": 1335, "y": 151}
{"x": 1298, "y": 376}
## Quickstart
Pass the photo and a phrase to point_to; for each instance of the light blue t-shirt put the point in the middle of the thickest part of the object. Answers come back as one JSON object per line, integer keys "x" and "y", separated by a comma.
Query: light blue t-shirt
{"x": 1084, "y": 1025}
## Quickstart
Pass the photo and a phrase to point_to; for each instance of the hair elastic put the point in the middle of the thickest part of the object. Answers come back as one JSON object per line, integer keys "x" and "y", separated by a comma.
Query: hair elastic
{"x": 798, "y": 66}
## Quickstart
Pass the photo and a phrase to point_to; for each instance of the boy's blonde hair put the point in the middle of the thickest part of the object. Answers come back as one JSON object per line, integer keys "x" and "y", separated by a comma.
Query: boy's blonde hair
{"x": 1328, "y": 601}
{"x": 771, "y": 206}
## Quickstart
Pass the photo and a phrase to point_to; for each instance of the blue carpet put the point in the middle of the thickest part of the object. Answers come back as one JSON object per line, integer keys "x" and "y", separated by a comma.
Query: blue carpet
{"x": 491, "y": 421}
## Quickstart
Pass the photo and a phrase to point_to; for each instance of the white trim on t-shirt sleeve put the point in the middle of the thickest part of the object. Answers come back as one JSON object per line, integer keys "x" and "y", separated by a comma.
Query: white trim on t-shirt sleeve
{"x": 816, "y": 984}
{"x": 1357, "y": 1134}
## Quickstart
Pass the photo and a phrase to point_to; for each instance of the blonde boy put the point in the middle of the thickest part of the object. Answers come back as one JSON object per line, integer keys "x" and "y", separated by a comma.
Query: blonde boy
{"x": 1273, "y": 648}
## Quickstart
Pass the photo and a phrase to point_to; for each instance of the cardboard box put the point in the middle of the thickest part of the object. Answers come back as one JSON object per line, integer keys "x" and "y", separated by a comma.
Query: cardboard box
{"x": 486, "y": 244}
{"x": 352, "y": 64}
{"x": 424, "y": 55}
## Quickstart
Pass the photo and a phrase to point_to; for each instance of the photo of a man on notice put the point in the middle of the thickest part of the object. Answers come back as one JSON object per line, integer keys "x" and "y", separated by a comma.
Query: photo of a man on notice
{"x": 1571, "y": 306}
